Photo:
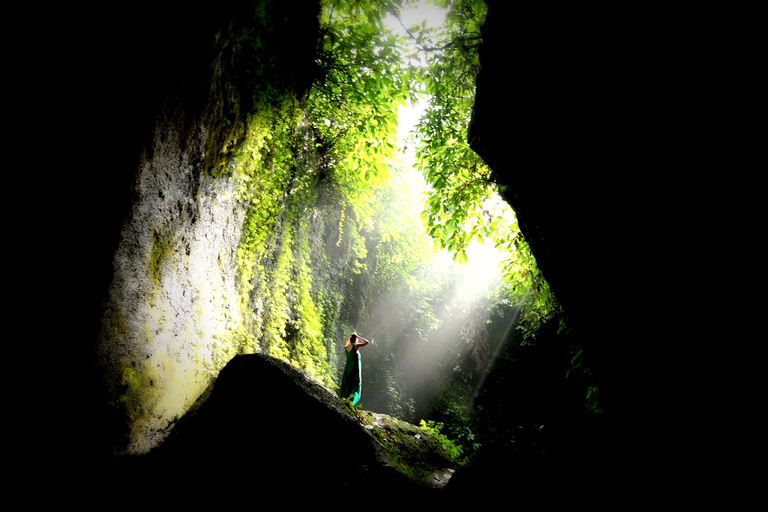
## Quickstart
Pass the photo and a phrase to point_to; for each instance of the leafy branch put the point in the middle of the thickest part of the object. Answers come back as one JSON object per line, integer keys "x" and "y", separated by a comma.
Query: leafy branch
{"x": 461, "y": 204}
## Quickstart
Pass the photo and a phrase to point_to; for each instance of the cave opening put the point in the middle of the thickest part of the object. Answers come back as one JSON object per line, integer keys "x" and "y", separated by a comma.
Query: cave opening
{"x": 248, "y": 227}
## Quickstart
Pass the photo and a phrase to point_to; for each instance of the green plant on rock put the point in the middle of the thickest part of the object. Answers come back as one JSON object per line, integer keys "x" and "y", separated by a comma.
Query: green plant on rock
{"x": 261, "y": 170}
{"x": 129, "y": 383}
{"x": 580, "y": 369}
{"x": 354, "y": 410}
{"x": 309, "y": 351}
{"x": 451, "y": 449}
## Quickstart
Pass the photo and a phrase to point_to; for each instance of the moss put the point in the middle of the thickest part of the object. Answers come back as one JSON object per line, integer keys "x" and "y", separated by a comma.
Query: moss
{"x": 117, "y": 322}
{"x": 412, "y": 450}
{"x": 162, "y": 246}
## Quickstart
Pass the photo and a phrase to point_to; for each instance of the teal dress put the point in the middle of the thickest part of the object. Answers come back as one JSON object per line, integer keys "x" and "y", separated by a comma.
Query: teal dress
{"x": 352, "y": 379}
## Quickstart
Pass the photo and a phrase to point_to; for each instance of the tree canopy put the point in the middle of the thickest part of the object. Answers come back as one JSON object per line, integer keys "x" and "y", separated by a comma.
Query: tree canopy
{"x": 365, "y": 72}
{"x": 368, "y": 72}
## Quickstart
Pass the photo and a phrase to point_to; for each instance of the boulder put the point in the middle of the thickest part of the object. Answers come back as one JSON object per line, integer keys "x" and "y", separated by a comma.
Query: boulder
{"x": 264, "y": 426}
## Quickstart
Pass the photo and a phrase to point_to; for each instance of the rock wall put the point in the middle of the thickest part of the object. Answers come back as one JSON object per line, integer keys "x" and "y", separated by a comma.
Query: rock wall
{"x": 174, "y": 313}
{"x": 171, "y": 318}
{"x": 602, "y": 117}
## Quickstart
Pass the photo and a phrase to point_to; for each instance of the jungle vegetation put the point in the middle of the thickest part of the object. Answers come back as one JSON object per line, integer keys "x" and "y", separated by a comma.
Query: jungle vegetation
{"x": 414, "y": 250}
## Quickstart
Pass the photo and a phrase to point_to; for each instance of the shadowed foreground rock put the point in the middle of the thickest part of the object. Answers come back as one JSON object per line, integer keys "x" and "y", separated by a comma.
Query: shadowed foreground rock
{"x": 263, "y": 426}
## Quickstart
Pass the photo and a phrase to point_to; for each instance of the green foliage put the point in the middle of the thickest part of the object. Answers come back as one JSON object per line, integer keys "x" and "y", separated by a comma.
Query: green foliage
{"x": 422, "y": 294}
{"x": 461, "y": 205}
{"x": 400, "y": 405}
{"x": 354, "y": 410}
{"x": 129, "y": 383}
{"x": 451, "y": 449}
{"x": 366, "y": 73}
{"x": 581, "y": 370}
{"x": 404, "y": 256}
{"x": 453, "y": 406}
{"x": 273, "y": 257}
{"x": 131, "y": 379}
{"x": 460, "y": 180}
{"x": 410, "y": 449}
{"x": 293, "y": 320}
{"x": 350, "y": 115}
{"x": 353, "y": 106}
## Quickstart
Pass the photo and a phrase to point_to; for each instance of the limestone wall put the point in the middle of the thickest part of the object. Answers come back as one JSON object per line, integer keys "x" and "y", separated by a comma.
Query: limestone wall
{"x": 171, "y": 320}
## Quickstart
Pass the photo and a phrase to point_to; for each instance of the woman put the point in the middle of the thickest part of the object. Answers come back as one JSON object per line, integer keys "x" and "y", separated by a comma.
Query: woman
{"x": 351, "y": 379}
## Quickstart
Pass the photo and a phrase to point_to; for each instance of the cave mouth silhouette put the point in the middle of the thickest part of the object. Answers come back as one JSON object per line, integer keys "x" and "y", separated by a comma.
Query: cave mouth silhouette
{"x": 604, "y": 277}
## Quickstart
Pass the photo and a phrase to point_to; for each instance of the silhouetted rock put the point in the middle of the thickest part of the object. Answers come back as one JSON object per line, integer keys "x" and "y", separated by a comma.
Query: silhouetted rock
{"x": 264, "y": 426}
{"x": 588, "y": 124}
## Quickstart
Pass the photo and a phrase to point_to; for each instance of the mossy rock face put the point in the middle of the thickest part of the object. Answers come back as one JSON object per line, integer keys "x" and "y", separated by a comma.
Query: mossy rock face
{"x": 410, "y": 449}
{"x": 178, "y": 304}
